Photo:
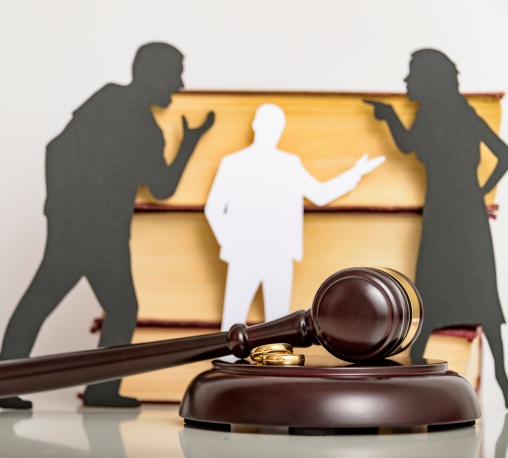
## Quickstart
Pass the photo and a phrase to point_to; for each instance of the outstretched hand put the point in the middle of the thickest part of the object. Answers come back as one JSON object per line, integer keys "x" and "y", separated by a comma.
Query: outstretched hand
{"x": 198, "y": 131}
{"x": 381, "y": 110}
{"x": 365, "y": 165}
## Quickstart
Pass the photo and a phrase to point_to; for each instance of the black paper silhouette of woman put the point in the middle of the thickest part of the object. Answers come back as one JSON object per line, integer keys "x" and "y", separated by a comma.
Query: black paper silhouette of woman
{"x": 456, "y": 272}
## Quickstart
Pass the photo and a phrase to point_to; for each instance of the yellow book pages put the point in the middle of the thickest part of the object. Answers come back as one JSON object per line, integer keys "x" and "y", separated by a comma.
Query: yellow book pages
{"x": 455, "y": 350}
{"x": 328, "y": 131}
{"x": 473, "y": 369}
{"x": 178, "y": 275}
{"x": 463, "y": 356}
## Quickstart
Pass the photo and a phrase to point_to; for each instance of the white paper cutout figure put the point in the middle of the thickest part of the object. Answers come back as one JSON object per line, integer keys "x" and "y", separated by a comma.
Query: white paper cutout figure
{"x": 255, "y": 209}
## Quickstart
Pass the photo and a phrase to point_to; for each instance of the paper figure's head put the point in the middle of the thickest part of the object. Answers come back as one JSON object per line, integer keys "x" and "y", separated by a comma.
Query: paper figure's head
{"x": 268, "y": 124}
{"x": 157, "y": 73}
{"x": 432, "y": 76}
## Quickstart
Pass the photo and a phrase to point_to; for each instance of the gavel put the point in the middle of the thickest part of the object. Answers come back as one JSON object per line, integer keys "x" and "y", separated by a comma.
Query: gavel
{"x": 358, "y": 315}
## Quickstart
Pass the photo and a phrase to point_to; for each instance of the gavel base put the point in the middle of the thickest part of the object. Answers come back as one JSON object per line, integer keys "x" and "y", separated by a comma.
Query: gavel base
{"x": 328, "y": 396}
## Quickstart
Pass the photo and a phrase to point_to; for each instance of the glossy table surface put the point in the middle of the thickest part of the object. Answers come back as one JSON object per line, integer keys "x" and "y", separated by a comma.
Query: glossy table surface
{"x": 59, "y": 426}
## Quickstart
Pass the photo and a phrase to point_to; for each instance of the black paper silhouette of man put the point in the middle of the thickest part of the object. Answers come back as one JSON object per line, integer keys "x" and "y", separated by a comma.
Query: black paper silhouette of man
{"x": 456, "y": 273}
{"x": 93, "y": 168}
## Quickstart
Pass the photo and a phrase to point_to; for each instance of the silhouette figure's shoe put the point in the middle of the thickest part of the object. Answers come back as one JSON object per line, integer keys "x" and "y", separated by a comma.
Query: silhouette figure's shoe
{"x": 15, "y": 403}
{"x": 92, "y": 400}
{"x": 105, "y": 394}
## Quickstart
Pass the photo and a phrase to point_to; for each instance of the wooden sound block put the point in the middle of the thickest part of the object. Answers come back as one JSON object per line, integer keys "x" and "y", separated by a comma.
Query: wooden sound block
{"x": 327, "y": 395}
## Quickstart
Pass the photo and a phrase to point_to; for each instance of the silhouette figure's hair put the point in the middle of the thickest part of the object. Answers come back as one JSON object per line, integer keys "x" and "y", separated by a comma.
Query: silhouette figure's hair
{"x": 154, "y": 55}
{"x": 434, "y": 71}
{"x": 156, "y": 73}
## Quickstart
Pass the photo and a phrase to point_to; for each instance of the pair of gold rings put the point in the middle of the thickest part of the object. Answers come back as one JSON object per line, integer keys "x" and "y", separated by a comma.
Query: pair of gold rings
{"x": 279, "y": 354}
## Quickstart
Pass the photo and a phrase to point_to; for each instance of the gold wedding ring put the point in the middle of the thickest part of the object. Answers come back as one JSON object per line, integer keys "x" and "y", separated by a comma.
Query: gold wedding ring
{"x": 278, "y": 354}
{"x": 257, "y": 353}
{"x": 283, "y": 359}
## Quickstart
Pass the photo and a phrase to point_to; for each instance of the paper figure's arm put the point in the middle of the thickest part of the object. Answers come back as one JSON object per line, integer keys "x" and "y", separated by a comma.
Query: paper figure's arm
{"x": 401, "y": 135}
{"x": 499, "y": 149}
{"x": 162, "y": 179}
{"x": 324, "y": 193}
{"x": 217, "y": 202}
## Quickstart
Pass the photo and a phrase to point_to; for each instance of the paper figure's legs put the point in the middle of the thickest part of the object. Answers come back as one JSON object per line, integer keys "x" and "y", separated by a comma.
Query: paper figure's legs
{"x": 493, "y": 334}
{"x": 241, "y": 285}
{"x": 112, "y": 284}
{"x": 277, "y": 289}
{"x": 54, "y": 279}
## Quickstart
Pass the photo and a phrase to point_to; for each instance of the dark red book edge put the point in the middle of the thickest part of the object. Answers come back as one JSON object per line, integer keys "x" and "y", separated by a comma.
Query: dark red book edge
{"x": 494, "y": 95}
{"x": 143, "y": 208}
{"x": 465, "y": 331}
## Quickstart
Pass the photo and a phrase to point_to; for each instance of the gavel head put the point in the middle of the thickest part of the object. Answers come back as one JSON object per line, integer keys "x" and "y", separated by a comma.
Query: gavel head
{"x": 362, "y": 314}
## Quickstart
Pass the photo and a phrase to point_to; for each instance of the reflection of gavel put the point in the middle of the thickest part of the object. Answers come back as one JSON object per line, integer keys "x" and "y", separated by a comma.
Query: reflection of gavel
{"x": 358, "y": 314}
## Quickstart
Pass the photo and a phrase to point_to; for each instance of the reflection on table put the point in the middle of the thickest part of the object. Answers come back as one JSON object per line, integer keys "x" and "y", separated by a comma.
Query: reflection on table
{"x": 464, "y": 442}
{"x": 159, "y": 431}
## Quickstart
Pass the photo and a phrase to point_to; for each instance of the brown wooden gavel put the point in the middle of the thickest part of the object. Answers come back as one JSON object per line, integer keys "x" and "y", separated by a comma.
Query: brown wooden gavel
{"x": 358, "y": 315}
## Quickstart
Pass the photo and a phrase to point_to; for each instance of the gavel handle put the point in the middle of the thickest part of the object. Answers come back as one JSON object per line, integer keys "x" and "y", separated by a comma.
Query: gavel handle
{"x": 44, "y": 373}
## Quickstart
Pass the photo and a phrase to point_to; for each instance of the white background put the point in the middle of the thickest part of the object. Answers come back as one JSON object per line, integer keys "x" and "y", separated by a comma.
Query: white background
{"x": 55, "y": 54}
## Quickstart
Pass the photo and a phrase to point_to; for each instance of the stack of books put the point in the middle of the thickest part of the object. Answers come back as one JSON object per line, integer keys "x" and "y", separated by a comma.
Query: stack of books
{"x": 178, "y": 275}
